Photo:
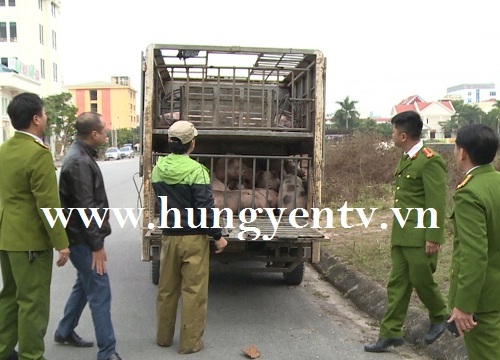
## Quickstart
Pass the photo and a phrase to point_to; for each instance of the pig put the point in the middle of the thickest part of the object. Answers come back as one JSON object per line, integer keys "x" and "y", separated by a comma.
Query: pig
{"x": 292, "y": 194}
{"x": 267, "y": 179}
{"x": 239, "y": 199}
{"x": 234, "y": 172}
{"x": 270, "y": 195}
{"x": 216, "y": 184}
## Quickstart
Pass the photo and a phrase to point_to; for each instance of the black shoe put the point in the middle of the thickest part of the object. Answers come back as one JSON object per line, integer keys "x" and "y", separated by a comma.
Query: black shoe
{"x": 435, "y": 331}
{"x": 13, "y": 356}
{"x": 383, "y": 343}
{"x": 72, "y": 339}
{"x": 115, "y": 356}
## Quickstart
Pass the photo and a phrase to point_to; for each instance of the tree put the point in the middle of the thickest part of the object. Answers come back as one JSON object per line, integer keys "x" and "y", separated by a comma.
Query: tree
{"x": 347, "y": 114}
{"x": 61, "y": 117}
{"x": 126, "y": 136}
{"x": 493, "y": 117}
{"x": 465, "y": 114}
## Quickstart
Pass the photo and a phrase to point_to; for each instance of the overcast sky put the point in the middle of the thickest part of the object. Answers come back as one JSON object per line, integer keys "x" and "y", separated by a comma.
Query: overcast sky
{"x": 378, "y": 52}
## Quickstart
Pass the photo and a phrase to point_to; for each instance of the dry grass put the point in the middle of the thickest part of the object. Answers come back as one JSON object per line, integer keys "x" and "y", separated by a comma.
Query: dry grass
{"x": 360, "y": 172}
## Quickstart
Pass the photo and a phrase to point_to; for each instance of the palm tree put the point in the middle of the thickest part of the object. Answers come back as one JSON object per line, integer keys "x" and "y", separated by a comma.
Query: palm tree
{"x": 347, "y": 112}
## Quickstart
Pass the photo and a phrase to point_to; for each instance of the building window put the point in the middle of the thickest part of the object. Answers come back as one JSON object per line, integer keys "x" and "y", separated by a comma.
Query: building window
{"x": 93, "y": 107}
{"x": 93, "y": 95}
{"x": 54, "y": 72}
{"x": 54, "y": 40}
{"x": 2, "y": 2}
{"x": 13, "y": 32}
{"x": 40, "y": 28}
{"x": 12, "y": 2}
{"x": 3, "y": 32}
{"x": 40, "y": 4}
{"x": 493, "y": 93}
{"x": 53, "y": 9}
{"x": 4, "y": 61}
{"x": 42, "y": 68}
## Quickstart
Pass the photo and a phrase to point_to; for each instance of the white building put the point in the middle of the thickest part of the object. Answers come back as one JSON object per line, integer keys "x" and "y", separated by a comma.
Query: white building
{"x": 474, "y": 93}
{"x": 433, "y": 114}
{"x": 28, "y": 52}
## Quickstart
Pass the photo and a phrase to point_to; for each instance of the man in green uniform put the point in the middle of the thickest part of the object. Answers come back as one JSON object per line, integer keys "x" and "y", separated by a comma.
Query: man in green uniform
{"x": 420, "y": 184}
{"x": 27, "y": 184}
{"x": 475, "y": 277}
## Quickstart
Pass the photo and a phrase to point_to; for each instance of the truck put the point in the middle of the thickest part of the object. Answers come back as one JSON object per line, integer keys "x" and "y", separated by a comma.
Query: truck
{"x": 257, "y": 111}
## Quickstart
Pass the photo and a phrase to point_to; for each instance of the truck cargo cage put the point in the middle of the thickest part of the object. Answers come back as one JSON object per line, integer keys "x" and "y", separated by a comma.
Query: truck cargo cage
{"x": 259, "y": 110}
{"x": 263, "y": 91}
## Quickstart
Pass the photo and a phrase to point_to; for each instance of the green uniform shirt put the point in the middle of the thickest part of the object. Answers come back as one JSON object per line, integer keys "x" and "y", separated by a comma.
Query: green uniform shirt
{"x": 475, "y": 279}
{"x": 420, "y": 183}
{"x": 27, "y": 184}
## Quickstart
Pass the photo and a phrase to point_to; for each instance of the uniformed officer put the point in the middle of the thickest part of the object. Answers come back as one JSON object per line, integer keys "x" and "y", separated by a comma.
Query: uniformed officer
{"x": 420, "y": 184}
{"x": 27, "y": 184}
{"x": 475, "y": 279}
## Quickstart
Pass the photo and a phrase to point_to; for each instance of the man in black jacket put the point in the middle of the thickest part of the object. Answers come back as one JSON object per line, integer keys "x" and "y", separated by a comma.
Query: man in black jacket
{"x": 81, "y": 186}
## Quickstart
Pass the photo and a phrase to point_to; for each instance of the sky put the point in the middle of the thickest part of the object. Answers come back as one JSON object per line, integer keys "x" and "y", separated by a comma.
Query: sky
{"x": 378, "y": 52}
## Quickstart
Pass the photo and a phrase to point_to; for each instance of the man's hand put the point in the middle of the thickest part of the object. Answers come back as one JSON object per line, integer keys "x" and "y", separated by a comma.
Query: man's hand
{"x": 220, "y": 245}
{"x": 431, "y": 247}
{"x": 99, "y": 261}
{"x": 63, "y": 257}
{"x": 464, "y": 321}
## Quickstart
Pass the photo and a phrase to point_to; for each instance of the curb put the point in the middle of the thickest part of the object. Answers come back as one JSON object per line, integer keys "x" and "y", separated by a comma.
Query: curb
{"x": 371, "y": 298}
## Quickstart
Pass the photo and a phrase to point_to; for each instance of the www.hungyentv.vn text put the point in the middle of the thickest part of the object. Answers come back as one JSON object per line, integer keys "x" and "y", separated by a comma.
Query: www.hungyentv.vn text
{"x": 320, "y": 218}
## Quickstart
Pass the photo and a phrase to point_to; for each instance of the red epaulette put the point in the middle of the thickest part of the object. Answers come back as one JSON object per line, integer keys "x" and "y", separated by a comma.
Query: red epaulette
{"x": 465, "y": 181}
{"x": 428, "y": 152}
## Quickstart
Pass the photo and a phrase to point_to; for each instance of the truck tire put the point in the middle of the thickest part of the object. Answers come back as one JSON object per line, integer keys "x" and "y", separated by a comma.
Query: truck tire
{"x": 155, "y": 271}
{"x": 295, "y": 276}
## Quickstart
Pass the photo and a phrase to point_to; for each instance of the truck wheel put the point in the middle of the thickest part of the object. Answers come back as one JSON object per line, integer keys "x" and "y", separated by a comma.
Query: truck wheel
{"x": 155, "y": 271}
{"x": 295, "y": 276}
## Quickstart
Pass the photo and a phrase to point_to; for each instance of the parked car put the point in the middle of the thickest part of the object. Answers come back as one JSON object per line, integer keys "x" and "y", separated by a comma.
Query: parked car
{"x": 127, "y": 152}
{"x": 112, "y": 153}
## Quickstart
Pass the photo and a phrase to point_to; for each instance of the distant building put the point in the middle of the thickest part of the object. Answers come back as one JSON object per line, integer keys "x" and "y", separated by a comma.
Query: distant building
{"x": 474, "y": 93}
{"x": 432, "y": 114}
{"x": 115, "y": 101}
{"x": 29, "y": 57}
{"x": 487, "y": 105}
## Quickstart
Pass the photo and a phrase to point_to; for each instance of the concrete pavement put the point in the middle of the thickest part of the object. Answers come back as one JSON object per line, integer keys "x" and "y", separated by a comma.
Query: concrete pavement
{"x": 371, "y": 298}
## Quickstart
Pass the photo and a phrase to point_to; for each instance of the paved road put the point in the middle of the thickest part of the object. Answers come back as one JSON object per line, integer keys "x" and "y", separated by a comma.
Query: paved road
{"x": 310, "y": 321}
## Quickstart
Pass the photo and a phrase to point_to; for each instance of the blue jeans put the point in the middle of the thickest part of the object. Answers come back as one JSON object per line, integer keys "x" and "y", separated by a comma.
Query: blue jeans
{"x": 94, "y": 289}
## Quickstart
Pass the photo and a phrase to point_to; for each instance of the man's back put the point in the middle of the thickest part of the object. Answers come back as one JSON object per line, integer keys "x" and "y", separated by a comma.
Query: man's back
{"x": 477, "y": 207}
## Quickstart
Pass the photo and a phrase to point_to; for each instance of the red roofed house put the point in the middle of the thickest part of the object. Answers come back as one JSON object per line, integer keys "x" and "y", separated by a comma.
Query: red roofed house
{"x": 432, "y": 114}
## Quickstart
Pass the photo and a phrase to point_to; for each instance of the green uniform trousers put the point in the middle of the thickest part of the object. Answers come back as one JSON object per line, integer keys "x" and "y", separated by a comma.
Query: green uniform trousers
{"x": 483, "y": 342}
{"x": 411, "y": 269}
{"x": 183, "y": 271}
{"x": 24, "y": 303}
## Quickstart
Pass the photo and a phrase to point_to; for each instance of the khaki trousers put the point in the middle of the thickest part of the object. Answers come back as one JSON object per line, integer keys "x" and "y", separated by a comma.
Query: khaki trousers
{"x": 183, "y": 272}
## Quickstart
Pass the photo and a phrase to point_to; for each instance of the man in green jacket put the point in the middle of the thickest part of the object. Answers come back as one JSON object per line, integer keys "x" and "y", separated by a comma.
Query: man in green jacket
{"x": 27, "y": 184}
{"x": 421, "y": 199}
{"x": 475, "y": 276}
{"x": 184, "y": 258}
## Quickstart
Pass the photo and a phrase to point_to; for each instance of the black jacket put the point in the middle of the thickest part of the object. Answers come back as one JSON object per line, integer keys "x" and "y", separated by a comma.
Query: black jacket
{"x": 81, "y": 186}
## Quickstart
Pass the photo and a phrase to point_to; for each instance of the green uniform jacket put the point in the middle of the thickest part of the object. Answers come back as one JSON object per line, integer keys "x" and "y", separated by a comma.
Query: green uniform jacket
{"x": 475, "y": 277}
{"x": 27, "y": 183}
{"x": 420, "y": 183}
